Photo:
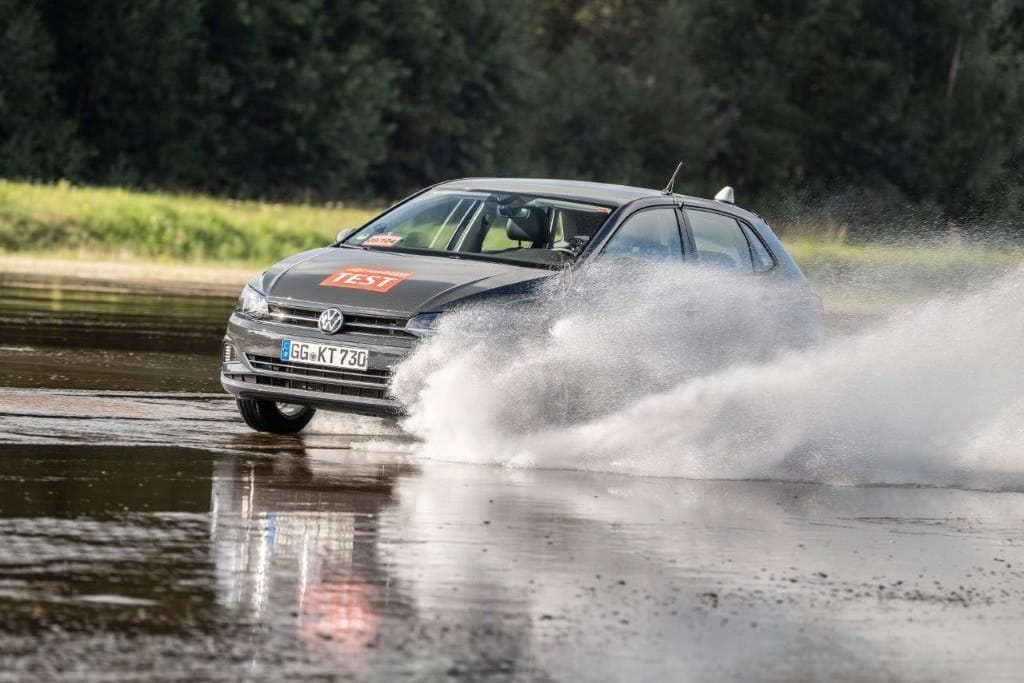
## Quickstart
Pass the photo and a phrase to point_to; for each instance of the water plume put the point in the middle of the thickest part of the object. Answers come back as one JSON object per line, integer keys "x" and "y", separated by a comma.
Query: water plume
{"x": 684, "y": 373}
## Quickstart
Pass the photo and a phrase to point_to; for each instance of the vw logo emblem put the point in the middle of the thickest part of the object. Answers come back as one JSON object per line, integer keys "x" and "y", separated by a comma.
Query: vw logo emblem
{"x": 331, "y": 321}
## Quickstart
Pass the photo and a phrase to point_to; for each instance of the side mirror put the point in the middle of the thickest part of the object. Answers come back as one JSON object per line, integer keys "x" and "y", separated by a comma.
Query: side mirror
{"x": 343, "y": 233}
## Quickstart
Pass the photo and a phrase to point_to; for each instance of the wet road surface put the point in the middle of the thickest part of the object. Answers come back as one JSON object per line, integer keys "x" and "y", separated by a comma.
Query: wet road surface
{"x": 145, "y": 534}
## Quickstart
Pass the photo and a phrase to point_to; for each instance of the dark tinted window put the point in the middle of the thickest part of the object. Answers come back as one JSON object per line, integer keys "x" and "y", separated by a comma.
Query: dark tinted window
{"x": 651, "y": 235}
{"x": 762, "y": 257}
{"x": 720, "y": 241}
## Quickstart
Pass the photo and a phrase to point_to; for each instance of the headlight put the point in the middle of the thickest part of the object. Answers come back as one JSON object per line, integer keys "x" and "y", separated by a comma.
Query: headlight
{"x": 252, "y": 303}
{"x": 424, "y": 324}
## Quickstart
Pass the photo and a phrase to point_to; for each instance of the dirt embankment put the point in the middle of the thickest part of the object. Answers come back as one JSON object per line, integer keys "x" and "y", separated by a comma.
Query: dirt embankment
{"x": 152, "y": 278}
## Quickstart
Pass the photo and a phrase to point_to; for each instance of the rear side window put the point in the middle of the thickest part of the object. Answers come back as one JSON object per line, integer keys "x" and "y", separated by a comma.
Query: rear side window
{"x": 763, "y": 260}
{"x": 721, "y": 242}
{"x": 652, "y": 235}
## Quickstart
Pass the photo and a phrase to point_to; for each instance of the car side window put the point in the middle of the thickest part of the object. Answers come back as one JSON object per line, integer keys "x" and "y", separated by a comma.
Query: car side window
{"x": 763, "y": 260}
{"x": 720, "y": 241}
{"x": 651, "y": 235}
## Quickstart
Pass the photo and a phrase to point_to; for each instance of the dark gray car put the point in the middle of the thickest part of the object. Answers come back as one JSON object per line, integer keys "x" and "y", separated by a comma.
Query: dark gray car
{"x": 325, "y": 328}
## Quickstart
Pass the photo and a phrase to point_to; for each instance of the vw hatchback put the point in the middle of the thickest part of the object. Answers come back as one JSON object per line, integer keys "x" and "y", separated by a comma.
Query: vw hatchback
{"x": 325, "y": 328}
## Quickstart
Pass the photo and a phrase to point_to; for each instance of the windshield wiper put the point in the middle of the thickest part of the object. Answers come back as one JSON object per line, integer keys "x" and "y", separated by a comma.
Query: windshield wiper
{"x": 498, "y": 259}
{"x": 459, "y": 255}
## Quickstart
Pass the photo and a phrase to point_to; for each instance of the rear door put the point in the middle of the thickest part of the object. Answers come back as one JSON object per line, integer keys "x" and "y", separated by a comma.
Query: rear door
{"x": 721, "y": 240}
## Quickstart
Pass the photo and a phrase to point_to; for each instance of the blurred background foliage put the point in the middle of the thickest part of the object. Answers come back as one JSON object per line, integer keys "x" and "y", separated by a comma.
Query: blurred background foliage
{"x": 914, "y": 103}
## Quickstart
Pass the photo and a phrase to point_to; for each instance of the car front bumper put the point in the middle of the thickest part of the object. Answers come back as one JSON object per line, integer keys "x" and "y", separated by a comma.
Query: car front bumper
{"x": 251, "y": 368}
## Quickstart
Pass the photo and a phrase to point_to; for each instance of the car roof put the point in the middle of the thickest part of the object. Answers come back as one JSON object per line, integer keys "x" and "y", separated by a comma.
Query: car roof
{"x": 599, "y": 193}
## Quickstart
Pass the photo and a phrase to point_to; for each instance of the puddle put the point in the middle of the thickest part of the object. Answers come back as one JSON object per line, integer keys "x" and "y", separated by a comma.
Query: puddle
{"x": 145, "y": 533}
{"x": 176, "y": 563}
{"x": 69, "y": 334}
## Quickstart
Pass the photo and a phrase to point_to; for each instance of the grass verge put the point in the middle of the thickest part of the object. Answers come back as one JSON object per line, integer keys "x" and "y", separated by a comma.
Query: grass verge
{"x": 61, "y": 220}
{"x": 890, "y": 273}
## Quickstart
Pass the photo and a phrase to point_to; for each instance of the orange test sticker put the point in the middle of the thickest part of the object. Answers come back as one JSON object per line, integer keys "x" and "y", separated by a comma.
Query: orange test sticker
{"x": 366, "y": 278}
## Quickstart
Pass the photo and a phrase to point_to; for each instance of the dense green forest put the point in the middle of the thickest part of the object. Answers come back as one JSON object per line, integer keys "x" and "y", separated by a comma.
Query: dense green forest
{"x": 918, "y": 101}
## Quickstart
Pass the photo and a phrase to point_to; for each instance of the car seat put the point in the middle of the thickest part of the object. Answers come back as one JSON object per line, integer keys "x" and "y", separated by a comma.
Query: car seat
{"x": 529, "y": 228}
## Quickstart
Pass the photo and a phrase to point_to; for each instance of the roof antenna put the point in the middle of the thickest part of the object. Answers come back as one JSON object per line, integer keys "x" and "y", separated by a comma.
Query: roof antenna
{"x": 672, "y": 181}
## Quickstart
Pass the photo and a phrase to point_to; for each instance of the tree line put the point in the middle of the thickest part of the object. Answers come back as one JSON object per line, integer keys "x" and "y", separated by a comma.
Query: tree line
{"x": 917, "y": 101}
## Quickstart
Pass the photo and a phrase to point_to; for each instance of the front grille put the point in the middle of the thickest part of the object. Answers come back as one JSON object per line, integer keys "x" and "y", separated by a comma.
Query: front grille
{"x": 304, "y": 376}
{"x": 355, "y": 323}
{"x": 302, "y": 385}
{"x": 294, "y": 316}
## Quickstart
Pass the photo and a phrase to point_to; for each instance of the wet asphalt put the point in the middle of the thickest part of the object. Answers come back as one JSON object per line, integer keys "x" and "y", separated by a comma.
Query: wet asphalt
{"x": 146, "y": 534}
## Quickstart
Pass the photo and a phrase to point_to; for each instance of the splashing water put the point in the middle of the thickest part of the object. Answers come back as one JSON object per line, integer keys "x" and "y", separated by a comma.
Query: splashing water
{"x": 682, "y": 374}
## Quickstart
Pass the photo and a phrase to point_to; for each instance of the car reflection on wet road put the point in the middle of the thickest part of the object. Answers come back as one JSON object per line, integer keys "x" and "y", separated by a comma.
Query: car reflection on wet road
{"x": 146, "y": 534}
{"x": 183, "y": 562}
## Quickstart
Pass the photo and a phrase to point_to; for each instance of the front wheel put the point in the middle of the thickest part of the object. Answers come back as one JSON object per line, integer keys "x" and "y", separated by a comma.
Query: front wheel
{"x": 276, "y": 418}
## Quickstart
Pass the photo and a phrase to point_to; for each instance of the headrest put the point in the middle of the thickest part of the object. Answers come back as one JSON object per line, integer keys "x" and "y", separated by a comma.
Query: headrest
{"x": 529, "y": 228}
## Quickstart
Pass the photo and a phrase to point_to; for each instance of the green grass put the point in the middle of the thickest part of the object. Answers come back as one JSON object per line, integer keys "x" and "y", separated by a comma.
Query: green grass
{"x": 887, "y": 273}
{"x": 95, "y": 222}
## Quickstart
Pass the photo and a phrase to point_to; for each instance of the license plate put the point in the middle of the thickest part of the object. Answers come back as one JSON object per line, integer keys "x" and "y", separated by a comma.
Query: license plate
{"x": 325, "y": 355}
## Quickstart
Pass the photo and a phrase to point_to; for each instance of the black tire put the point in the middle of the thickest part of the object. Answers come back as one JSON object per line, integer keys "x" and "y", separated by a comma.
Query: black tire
{"x": 267, "y": 416}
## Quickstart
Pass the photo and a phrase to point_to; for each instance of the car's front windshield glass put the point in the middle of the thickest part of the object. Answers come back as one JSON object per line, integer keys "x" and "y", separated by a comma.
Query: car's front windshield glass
{"x": 525, "y": 229}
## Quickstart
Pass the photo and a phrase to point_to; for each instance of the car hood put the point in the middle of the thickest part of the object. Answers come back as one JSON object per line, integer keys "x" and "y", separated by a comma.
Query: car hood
{"x": 389, "y": 281}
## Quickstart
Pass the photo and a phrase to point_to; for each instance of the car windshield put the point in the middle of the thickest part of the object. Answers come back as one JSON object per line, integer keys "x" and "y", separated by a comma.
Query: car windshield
{"x": 526, "y": 229}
